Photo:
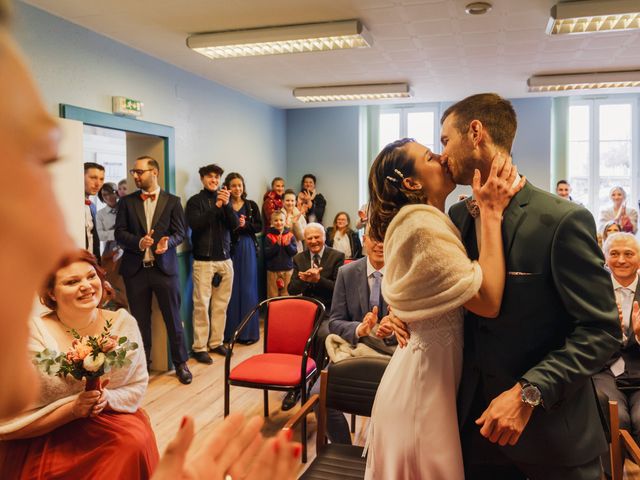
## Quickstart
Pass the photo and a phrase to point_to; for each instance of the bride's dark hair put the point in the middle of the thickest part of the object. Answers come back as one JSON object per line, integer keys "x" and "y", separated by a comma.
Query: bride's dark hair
{"x": 387, "y": 194}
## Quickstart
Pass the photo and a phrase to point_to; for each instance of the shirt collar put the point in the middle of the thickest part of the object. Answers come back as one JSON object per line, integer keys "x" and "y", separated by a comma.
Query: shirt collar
{"x": 371, "y": 269}
{"x": 633, "y": 286}
{"x": 156, "y": 192}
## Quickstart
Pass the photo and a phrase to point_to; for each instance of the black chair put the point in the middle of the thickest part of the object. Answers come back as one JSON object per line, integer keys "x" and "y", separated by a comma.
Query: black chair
{"x": 349, "y": 386}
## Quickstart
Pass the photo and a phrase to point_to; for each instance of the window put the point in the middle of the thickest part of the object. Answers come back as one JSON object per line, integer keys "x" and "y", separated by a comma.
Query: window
{"x": 601, "y": 151}
{"x": 414, "y": 122}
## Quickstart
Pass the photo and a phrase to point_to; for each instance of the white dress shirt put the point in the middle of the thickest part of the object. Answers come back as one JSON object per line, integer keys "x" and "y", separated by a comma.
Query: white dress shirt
{"x": 149, "y": 211}
{"x": 625, "y": 300}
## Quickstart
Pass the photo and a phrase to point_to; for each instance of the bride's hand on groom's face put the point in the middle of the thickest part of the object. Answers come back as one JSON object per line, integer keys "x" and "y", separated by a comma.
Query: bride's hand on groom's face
{"x": 496, "y": 192}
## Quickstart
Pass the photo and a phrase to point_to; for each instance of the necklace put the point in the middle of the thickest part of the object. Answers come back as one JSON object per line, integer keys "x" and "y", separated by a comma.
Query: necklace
{"x": 91, "y": 322}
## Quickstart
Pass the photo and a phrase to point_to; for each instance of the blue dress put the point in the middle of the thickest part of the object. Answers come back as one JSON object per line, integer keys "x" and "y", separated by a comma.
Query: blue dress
{"x": 244, "y": 295}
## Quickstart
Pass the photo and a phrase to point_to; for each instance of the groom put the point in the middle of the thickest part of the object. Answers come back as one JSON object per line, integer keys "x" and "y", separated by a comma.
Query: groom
{"x": 526, "y": 403}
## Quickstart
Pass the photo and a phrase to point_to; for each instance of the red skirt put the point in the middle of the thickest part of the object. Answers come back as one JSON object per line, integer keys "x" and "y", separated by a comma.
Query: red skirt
{"x": 110, "y": 446}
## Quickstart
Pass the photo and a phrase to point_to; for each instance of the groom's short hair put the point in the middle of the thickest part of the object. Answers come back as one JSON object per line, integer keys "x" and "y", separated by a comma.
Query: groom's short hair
{"x": 496, "y": 114}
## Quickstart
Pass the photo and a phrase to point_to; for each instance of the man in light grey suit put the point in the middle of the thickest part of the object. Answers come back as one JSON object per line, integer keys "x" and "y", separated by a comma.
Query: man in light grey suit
{"x": 357, "y": 306}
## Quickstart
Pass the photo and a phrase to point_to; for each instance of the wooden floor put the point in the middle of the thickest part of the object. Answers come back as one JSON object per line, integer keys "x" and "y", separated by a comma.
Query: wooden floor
{"x": 167, "y": 401}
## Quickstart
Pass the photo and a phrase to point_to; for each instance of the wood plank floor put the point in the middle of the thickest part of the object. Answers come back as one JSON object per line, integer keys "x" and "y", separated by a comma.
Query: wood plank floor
{"x": 167, "y": 401}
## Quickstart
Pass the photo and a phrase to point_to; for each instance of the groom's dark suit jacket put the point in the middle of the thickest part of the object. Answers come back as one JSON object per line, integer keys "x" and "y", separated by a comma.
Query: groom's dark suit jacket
{"x": 558, "y": 325}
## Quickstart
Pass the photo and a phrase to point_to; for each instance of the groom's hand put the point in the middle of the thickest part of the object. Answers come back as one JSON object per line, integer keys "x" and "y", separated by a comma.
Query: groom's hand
{"x": 506, "y": 417}
{"x": 401, "y": 330}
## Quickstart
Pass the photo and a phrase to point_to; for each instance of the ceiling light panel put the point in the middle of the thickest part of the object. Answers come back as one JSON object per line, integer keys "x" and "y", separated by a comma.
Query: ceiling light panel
{"x": 593, "y": 16}
{"x": 384, "y": 91}
{"x": 313, "y": 37}
{"x": 584, "y": 81}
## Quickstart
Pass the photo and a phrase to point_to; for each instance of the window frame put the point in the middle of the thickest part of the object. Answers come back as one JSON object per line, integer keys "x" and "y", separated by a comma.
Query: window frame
{"x": 594, "y": 103}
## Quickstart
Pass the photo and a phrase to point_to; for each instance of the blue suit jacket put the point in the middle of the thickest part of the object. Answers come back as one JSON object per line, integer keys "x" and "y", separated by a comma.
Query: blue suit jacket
{"x": 131, "y": 226}
{"x": 350, "y": 300}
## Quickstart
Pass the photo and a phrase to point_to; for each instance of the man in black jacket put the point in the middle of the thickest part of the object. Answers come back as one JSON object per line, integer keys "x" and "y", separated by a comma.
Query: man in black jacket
{"x": 211, "y": 218}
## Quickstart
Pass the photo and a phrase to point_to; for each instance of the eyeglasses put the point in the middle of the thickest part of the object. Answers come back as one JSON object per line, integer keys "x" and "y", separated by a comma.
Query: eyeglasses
{"x": 139, "y": 172}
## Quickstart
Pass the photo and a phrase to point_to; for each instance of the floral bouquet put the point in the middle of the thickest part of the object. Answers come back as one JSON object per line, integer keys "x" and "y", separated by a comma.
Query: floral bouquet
{"x": 89, "y": 357}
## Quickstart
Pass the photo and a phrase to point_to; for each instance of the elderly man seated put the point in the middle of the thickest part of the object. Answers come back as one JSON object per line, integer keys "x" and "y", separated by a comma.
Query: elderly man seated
{"x": 314, "y": 275}
{"x": 620, "y": 379}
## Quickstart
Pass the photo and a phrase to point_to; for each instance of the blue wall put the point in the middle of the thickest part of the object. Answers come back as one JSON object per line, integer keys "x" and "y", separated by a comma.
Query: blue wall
{"x": 324, "y": 141}
{"x": 213, "y": 124}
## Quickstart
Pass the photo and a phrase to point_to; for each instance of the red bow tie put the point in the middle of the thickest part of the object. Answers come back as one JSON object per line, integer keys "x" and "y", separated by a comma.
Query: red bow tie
{"x": 144, "y": 196}
{"x": 87, "y": 202}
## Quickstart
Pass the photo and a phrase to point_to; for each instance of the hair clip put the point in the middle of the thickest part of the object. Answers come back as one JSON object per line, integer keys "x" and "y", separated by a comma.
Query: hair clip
{"x": 399, "y": 173}
{"x": 391, "y": 179}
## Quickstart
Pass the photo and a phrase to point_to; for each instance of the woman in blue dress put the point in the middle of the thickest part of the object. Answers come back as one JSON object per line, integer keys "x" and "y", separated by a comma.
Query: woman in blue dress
{"x": 244, "y": 294}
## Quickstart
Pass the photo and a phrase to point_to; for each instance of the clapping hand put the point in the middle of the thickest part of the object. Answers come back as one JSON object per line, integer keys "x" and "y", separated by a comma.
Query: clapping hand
{"x": 163, "y": 245}
{"x": 385, "y": 327}
{"x": 235, "y": 448}
{"x": 223, "y": 197}
{"x": 368, "y": 322}
{"x": 242, "y": 221}
{"x": 311, "y": 276}
{"x": 146, "y": 241}
{"x": 635, "y": 319}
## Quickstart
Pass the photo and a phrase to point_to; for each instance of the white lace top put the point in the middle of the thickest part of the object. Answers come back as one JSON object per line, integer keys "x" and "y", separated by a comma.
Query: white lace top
{"x": 126, "y": 389}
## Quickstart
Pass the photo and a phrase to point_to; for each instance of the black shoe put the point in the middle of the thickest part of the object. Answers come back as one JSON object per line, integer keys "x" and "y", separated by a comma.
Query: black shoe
{"x": 183, "y": 373}
{"x": 203, "y": 357}
{"x": 247, "y": 342}
{"x": 220, "y": 350}
{"x": 290, "y": 400}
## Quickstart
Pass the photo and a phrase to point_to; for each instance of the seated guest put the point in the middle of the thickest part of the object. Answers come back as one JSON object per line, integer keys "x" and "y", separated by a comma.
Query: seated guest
{"x": 357, "y": 306}
{"x": 626, "y": 217}
{"x": 341, "y": 237}
{"x": 609, "y": 228}
{"x": 295, "y": 217}
{"x": 272, "y": 200}
{"x": 315, "y": 213}
{"x": 620, "y": 379}
{"x": 279, "y": 249}
{"x": 70, "y": 433}
{"x": 314, "y": 275}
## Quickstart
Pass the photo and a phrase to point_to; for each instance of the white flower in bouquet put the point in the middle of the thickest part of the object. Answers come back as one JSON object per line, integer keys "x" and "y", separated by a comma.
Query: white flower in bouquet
{"x": 92, "y": 364}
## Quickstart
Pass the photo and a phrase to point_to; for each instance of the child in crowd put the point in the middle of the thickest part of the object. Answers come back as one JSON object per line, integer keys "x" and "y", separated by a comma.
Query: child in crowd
{"x": 279, "y": 249}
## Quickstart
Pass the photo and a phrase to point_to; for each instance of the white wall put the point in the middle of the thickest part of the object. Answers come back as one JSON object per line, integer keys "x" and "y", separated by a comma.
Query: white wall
{"x": 213, "y": 124}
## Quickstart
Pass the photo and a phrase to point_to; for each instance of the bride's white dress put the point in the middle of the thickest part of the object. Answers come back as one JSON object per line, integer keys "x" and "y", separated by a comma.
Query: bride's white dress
{"x": 414, "y": 426}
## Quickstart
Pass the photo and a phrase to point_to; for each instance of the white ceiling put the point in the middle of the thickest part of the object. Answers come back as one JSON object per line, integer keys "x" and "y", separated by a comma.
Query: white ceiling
{"x": 442, "y": 52}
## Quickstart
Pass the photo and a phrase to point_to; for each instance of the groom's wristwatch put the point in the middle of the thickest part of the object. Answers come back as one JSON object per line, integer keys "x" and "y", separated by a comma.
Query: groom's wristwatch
{"x": 530, "y": 394}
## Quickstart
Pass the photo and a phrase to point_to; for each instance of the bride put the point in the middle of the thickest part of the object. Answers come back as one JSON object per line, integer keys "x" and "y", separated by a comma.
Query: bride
{"x": 428, "y": 281}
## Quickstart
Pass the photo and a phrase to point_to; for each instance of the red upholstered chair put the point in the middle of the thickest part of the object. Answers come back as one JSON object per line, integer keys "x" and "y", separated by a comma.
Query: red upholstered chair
{"x": 290, "y": 325}
{"x": 349, "y": 260}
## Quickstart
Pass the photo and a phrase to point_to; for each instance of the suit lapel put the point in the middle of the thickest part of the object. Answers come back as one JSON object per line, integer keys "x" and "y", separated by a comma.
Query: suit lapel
{"x": 163, "y": 198}
{"x": 138, "y": 206}
{"x": 514, "y": 215}
{"x": 363, "y": 291}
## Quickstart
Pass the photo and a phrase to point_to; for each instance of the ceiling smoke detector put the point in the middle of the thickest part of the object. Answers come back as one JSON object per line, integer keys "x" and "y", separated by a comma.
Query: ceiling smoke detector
{"x": 478, "y": 8}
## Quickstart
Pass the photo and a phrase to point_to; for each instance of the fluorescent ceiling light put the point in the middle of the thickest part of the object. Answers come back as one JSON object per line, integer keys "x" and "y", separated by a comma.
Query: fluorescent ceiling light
{"x": 382, "y": 91}
{"x": 592, "y": 16}
{"x": 584, "y": 81}
{"x": 309, "y": 37}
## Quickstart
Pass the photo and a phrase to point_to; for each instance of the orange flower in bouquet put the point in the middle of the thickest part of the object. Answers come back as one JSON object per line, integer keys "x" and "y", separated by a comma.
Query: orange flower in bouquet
{"x": 89, "y": 357}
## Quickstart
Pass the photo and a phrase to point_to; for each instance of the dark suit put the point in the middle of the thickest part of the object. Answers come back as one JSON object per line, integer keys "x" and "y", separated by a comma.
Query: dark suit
{"x": 557, "y": 327}
{"x": 628, "y": 397}
{"x": 94, "y": 235}
{"x": 330, "y": 262}
{"x": 161, "y": 278}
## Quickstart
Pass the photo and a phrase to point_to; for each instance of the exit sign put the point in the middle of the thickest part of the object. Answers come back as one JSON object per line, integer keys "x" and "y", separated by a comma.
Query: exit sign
{"x": 127, "y": 106}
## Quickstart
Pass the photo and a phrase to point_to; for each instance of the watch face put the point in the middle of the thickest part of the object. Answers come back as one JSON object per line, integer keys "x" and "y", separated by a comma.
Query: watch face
{"x": 531, "y": 395}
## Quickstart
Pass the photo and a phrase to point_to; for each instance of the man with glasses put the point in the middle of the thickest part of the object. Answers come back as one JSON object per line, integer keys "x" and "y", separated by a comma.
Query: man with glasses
{"x": 149, "y": 226}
